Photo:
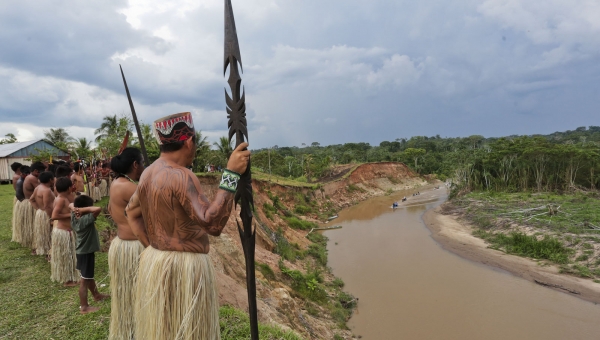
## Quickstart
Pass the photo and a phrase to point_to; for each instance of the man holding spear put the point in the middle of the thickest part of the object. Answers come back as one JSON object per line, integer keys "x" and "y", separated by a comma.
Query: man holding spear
{"x": 176, "y": 296}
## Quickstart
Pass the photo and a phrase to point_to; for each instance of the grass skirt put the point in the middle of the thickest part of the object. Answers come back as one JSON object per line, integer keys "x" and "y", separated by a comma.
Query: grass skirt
{"x": 123, "y": 261}
{"x": 16, "y": 217}
{"x": 25, "y": 224}
{"x": 96, "y": 195}
{"x": 176, "y": 297}
{"x": 103, "y": 188}
{"x": 42, "y": 232}
{"x": 63, "y": 260}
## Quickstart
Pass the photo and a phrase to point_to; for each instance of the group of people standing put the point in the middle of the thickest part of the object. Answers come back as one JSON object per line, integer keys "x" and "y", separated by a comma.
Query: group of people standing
{"x": 162, "y": 280}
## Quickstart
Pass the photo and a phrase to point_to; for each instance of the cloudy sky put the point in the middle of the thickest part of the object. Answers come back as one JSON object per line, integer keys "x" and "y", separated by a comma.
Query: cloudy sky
{"x": 314, "y": 71}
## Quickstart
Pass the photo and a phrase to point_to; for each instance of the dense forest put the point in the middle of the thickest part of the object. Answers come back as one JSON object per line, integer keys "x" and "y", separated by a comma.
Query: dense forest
{"x": 561, "y": 161}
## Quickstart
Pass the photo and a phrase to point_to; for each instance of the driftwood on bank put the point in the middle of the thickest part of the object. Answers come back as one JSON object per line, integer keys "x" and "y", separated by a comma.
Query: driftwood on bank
{"x": 545, "y": 284}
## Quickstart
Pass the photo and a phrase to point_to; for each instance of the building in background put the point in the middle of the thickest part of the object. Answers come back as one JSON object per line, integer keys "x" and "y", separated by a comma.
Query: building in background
{"x": 22, "y": 152}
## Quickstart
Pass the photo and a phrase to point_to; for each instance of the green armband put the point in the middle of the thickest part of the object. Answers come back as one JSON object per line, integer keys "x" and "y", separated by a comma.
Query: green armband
{"x": 229, "y": 180}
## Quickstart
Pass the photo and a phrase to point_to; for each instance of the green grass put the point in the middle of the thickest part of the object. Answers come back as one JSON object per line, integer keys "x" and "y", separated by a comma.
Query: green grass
{"x": 261, "y": 176}
{"x": 235, "y": 324}
{"x": 548, "y": 248}
{"x": 562, "y": 226}
{"x": 33, "y": 307}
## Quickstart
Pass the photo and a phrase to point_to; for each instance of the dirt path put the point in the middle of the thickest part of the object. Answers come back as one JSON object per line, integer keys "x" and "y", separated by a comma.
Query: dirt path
{"x": 457, "y": 237}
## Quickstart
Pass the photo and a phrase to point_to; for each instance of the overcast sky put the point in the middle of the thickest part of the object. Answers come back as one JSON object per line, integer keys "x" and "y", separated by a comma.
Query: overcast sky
{"x": 314, "y": 71}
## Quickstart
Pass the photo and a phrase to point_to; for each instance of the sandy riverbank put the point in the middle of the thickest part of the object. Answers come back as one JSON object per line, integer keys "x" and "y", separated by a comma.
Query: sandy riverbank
{"x": 456, "y": 237}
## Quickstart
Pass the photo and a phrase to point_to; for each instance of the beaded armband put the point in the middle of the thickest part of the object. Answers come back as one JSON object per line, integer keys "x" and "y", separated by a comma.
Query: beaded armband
{"x": 229, "y": 180}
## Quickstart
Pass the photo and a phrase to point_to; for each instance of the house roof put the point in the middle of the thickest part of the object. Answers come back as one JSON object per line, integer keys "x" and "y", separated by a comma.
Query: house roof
{"x": 7, "y": 149}
{"x": 26, "y": 149}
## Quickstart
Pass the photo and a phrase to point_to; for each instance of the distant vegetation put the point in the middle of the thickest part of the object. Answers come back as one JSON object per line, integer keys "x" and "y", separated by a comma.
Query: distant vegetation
{"x": 559, "y": 161}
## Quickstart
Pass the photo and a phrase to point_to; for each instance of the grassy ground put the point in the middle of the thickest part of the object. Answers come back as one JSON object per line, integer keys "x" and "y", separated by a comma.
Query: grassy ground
{"x": 33, "y": 307}
{"x": 561, "y": 229}
{"x": 268, "y": 178}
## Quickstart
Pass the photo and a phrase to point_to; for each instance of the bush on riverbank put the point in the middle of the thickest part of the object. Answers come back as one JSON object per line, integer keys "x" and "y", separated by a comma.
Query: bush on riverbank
{"x": 562, "y": 229}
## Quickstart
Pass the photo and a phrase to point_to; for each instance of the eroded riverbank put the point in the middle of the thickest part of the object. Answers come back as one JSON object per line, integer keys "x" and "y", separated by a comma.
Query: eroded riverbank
{"x": 457, "y": 237}
{"x": 410, "y": 287}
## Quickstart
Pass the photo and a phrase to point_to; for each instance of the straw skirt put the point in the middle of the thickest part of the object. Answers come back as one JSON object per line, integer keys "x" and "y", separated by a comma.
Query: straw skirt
{"x": 27, "y": 217}
{"x": 16, "y": 218}
{"x": 63, "y": 260}
{"x": 103, "y": 188}
{"x": 42, "y": 233}
{"x": 96, "y": 195}
{"x": 176, "y": 297}
{"x": 123, "y": 261}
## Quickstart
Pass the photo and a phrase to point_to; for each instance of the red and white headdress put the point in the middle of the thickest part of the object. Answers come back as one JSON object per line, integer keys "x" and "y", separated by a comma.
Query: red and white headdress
{"x": 174, "y": 128}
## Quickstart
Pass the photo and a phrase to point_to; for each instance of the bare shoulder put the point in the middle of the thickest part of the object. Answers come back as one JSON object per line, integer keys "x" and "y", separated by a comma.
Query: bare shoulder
{"x": 167, "y": 174}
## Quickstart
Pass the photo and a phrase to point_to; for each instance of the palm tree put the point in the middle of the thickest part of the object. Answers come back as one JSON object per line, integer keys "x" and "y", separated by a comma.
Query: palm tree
{"x": 83, "y": 148}
{"x": 202, "y": 151}
{"x": 59, "y": 137}
{"x": 224, "y": 147}
{"x": 202, "y": 144}
{"x": 10, "y": 138}
{"x": 108, "y": 127}
{"x": 111, "y": 133}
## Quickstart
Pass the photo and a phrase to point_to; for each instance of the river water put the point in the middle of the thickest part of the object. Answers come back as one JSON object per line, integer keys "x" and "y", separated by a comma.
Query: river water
{"x": 410, "y": 288}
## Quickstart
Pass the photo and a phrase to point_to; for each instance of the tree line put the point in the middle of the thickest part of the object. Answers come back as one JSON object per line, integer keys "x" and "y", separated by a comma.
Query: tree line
{"x": 559, "y": 161}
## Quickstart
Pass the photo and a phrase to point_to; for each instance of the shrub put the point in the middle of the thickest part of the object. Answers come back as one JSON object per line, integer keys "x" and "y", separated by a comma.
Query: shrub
{"x": 302, "y": 210}
{"x": 266, "y": 270}
{"x": 548, "y": 248}
{"x": 297, "y": 223}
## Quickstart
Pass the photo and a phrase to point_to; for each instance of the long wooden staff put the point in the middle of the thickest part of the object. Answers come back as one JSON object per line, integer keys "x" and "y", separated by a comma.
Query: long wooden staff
{"x": 135, "y": 120}
{"x": 236, "y": 112}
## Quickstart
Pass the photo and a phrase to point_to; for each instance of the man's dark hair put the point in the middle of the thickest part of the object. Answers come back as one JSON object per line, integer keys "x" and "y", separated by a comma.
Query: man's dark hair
{"x": 63, "y": 171}
{"x": 46, "y": 177}
{"x": 83, "y": 201}
{"x": 172, "y": 147}
{"x": 63, "y": 184}
{"x": 76, "y": 167}
{"x": 122, "y": 163}
{"x": 25, "y": 170}
{"x": 39, "y": 166}
{"x": 16, "y": 166}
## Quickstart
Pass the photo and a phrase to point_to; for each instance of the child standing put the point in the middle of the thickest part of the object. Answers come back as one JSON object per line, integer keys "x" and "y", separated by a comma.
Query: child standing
{"x": 83, "y": 216}
{"x": 62, "y": 255}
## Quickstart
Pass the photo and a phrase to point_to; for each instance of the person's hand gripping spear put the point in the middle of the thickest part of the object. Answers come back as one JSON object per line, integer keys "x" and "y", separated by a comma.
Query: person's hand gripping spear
{"x": 236, "y": 112}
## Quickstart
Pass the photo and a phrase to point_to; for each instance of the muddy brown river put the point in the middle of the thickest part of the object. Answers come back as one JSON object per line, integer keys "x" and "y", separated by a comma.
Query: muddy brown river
{"x": 410, "y": 288}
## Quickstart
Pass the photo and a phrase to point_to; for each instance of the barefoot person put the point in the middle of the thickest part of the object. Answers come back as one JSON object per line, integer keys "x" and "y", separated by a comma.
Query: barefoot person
{"x": 43, "y": 198}
{"x": 83, "y": 216}
{"x": 16, "y": 168}
{"x": 78, "y": 180}
{"x": 28, "y": 210}
{"x": 18, "y": 209}
{"x": 125, "y": 249}
{"x": 63, "y": 259}
{"x": 176, "y": 293}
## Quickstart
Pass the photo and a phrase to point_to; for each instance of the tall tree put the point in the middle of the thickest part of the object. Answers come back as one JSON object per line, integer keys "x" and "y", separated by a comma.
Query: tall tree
{"x": 224, "y": 147}
{"x": 10, "y": 138}
{"x": 108, "y": 127}
{"x": 82, "y": 148}
{"x": 60, "y": 138}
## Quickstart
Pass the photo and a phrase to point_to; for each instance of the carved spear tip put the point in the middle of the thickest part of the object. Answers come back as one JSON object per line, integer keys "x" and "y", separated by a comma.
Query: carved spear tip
{"x": 232, "y": 47}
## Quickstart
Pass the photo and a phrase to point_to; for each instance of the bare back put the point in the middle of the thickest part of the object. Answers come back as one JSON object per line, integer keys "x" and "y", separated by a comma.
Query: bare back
{"x": 31, "y": 182}
{"x": 177, "y": 216}
{"x": 77, "y": 182}
{"x": 33, "y": 198}
{"x": 121, "y": 191}
{"x": 44, "y": 198}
